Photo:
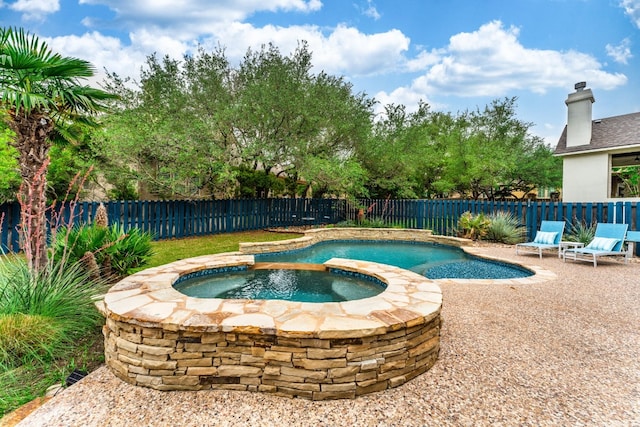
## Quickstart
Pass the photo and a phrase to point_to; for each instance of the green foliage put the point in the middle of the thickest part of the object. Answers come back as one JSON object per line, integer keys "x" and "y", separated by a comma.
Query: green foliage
{"x": 115, "y": 251}
{"x": 195, "y": 127}
{"x": 58, "y": 301}
{"x": 630, "y": 177}
{"x": 31, "y": 379}
{"x": 72, "y": 244}
{"x": 491, "y": 154}
{"x": 257, "y": 184}
{"x": 472, "y": 226}
{"x": 580, "y": 231}
{"x": 34, "y": 78}
{"x": 128, "y": 250}
{"x": 44, "y": 101}
{"x": 504, "y": 227}
{"x": 9, "y": 175}
{"x": 403, "y": 154}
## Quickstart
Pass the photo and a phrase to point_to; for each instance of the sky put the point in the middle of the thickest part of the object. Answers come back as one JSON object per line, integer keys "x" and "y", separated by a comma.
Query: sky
{"x": 455, "y": 55}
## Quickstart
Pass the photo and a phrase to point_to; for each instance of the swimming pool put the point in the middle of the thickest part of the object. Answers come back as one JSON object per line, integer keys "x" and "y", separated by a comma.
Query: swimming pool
{"x": 290, "y": 284}
{"x": 431, "y": 260}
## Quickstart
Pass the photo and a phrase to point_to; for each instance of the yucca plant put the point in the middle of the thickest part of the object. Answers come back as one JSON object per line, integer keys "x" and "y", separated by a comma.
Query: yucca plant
{"x": 504, "y": 227}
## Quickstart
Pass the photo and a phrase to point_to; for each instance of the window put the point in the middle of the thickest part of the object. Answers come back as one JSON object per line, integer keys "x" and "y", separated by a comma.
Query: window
{"x": 625, "y": 175}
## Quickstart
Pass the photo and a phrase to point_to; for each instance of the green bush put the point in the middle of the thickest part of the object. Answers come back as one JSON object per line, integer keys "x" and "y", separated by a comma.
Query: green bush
{"x": 41, "y": 313}
{"x": 114, "y": 251}
{"x": 72, "y": 244}
{"x": 579, "y": 231}
{"x": 473, "y": 227}
{"x": 129, "y": 250}
{"x": 504, "y": 227}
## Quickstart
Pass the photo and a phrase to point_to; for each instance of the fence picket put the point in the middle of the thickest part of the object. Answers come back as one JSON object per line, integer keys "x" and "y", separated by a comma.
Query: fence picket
{"x": 169, "y": 219}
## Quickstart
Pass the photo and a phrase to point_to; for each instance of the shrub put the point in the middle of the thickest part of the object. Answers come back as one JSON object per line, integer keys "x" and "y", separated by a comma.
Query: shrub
{"x": 473, "y": 227}
{"x": 504, "y": 227}
{"x": 42, "y": 312}
{"x": 72, "y": 244}
{"x": 579, "y": 231}
{"x": 129, "y": 250}
{"x": 26, "y": 337}
{"x": 113, "y": 250}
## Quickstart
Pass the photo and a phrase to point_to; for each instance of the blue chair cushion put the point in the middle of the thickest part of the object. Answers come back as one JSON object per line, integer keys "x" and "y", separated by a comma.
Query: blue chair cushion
{"x": 545, "y": 237}
{"x": 602, "y": 244}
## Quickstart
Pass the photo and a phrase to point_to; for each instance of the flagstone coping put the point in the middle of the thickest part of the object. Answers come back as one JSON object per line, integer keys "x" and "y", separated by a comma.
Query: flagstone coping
{"x": 148, "y": 298}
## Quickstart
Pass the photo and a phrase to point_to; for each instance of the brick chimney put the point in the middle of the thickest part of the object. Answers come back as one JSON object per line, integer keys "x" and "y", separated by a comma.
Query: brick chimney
{"x": 579, "y": 115}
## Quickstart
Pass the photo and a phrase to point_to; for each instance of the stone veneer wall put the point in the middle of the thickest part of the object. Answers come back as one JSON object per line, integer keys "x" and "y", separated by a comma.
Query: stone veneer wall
{"x": 313, "y": 368}
{"x": 338, "y": 233}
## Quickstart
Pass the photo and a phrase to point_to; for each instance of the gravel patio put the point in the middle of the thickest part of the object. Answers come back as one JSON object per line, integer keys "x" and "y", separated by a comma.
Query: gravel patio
{"x": 565, "y": 352}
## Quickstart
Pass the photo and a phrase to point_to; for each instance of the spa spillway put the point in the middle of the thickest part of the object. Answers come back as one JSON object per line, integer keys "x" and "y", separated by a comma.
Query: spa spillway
{"x": 158, "y": 337}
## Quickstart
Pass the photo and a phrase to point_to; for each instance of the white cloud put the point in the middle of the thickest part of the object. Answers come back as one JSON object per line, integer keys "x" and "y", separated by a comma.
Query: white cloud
{"x": 35, "y": 9}
{"x": 103, "y": 52}
{"x": 620, "y": 53}
{"x": 371, "y": 11}
{"x": 194, "y": 17}
{"x": 492, "y": 62}
{"x": 632, "y": 8}
{"x": 345, "y": 50}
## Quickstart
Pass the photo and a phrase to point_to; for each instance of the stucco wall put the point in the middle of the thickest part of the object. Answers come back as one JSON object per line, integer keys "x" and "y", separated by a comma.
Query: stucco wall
{"x": 586, "y": 178}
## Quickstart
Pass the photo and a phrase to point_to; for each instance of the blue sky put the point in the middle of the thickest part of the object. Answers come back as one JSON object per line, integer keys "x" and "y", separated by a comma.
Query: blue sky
{"x": 455, "y": 55}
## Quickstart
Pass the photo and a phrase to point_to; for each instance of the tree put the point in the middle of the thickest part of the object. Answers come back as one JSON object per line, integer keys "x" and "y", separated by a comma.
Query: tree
{"x": 261, "y": 128}
{"x": 490, "y": 153}
{"x": 292, "y": 123}
{"x": 169, "y": 133}
{"x": 42, "y": 95}
{"x": 404, "y": 154}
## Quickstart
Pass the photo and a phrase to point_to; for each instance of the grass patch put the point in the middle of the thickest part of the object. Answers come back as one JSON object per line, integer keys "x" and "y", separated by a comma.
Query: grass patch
{"x": 22, "y": 383}
{"x": 166, "y": 251}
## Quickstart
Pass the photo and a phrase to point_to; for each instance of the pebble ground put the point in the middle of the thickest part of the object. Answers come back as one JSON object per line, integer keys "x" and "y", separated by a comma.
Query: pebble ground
{"x": 565, "y": 352}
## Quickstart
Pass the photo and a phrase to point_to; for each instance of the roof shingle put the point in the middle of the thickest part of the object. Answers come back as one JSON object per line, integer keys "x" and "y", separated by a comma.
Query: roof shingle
{"x": 610, "y": 132}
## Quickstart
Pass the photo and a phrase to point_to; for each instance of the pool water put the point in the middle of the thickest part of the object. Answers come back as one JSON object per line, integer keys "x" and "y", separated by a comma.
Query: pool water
{"x": 290, "y": 285}
{"x": 428, "y": 259}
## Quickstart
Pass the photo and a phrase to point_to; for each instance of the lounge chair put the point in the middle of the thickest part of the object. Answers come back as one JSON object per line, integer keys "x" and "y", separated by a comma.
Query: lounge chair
{"x": 548, "y": 236}
{"x": 608, "y": 241}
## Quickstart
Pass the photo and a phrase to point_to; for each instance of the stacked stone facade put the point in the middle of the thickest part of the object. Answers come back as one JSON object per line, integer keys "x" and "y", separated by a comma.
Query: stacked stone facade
{"x": 312, "y": 368}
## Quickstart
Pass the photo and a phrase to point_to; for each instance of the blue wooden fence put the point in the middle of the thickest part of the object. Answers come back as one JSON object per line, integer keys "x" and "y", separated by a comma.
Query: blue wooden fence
{"x": 441, "y": 216}
{"x": 175, "y": 219}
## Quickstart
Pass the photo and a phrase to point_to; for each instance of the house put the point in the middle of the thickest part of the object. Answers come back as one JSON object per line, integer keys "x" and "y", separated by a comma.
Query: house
{"x": 600, "y": 158}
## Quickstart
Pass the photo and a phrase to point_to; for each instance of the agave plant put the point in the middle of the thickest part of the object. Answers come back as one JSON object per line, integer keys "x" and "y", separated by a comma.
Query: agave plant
{"x": 580, "y": 231}
{"x": 504, "y": 227}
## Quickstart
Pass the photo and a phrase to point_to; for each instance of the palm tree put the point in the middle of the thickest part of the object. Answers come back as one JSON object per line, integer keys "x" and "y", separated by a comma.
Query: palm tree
{"x": 40, "y": 97}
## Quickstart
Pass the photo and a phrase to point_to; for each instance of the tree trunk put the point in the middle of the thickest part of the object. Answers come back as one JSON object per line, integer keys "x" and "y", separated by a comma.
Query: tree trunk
{"x": 32, "y": 143}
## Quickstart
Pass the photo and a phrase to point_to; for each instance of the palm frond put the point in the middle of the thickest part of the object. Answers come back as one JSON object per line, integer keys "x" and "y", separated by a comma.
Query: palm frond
{"x": 32, "y": 77}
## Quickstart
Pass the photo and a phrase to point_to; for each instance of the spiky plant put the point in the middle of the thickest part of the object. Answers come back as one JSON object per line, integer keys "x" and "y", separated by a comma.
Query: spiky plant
{"x": 504, "y": 227}
{"x": 580, "y": 231}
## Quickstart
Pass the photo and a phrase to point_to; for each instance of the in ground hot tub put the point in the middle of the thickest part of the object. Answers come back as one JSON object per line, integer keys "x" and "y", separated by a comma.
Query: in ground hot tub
{"x": 158, "y": 337}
